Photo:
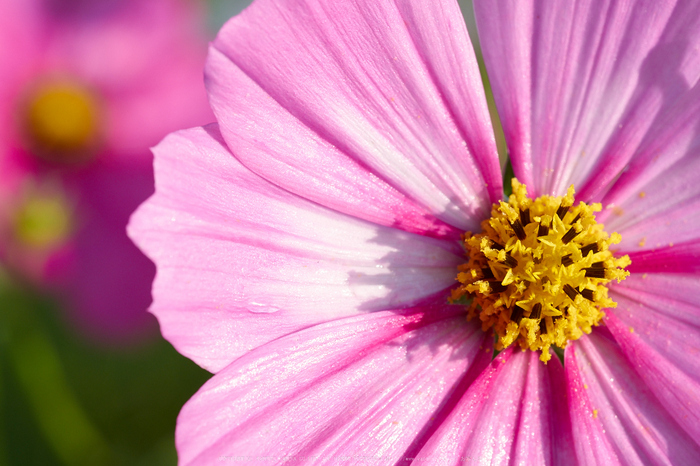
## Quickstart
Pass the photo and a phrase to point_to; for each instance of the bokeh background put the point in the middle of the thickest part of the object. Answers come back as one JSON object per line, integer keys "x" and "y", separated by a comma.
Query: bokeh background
{"x": 86, "y": 87}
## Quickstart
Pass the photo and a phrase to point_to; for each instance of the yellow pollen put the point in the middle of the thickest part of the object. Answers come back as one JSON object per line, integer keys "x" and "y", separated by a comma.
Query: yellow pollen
{"x": 62, "y": 121}
{"x": 538, "y": 273}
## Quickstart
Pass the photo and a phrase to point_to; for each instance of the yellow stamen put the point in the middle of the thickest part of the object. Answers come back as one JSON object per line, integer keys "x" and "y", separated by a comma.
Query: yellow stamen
{"x": 537, "y": 274}
{"x": 62, "y": 122}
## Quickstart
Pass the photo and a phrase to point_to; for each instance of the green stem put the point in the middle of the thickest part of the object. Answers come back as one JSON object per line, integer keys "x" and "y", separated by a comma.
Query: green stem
{"x": 3, "y": 416}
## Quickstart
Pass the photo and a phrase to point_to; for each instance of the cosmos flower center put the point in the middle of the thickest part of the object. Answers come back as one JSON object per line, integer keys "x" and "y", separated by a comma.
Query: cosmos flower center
{"x": 62, "y": 122}
{"x": 538, "y": 272}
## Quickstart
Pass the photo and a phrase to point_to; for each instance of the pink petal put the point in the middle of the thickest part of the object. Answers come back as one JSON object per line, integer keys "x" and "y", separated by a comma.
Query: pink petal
{"x": 615, "y": 417}
{"x": 657, "y": 201}
{"x": 659, "y": 128}
{"x": 674, "y": 295}
{"x": 514, "y": 413}
{"x": 355, "y": 391}
{"x": 674, "y": 258}
{"x": 241, "y": 261}
{"x": 361, "y": 107}
{"x": 657, "y": 325}
{"x": 578, "y": 85}
{"x": 20, "y": 27}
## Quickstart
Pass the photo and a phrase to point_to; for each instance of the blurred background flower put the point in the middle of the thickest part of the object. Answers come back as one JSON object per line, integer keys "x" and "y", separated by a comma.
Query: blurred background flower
{"x": 90, "y": 86}
{"x": 86, "y": 88}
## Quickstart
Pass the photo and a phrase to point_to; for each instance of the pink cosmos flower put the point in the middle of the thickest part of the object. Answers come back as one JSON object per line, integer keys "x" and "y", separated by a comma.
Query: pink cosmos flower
{"x": 306, "y": 244}
{"x": 86, "y": 87}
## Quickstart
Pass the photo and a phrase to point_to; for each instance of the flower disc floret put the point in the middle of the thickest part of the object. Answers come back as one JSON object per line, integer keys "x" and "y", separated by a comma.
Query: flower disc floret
{"x": 537, "y": 274}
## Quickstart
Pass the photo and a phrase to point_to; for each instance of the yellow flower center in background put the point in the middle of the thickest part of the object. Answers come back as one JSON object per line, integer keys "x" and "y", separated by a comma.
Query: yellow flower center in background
{"x": 62, "y": 122}
{"x": 537, "y": 274}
